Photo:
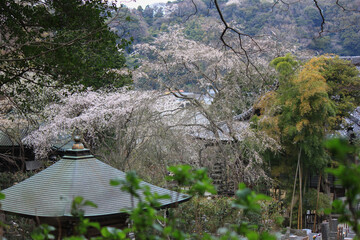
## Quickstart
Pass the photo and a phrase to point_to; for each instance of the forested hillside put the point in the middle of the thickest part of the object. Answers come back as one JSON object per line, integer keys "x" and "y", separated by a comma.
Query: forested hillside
{"x": 268, "y": 28}
{"x": 199, "y": 45}
{"x": 299, "y": 23}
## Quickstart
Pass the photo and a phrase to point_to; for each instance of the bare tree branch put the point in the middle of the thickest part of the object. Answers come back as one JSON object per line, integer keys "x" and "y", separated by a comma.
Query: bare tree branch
{"x": 322, "y": 17}
{"x": 344, "y": 8}
{"x": 193, "y": 14}
{"x": 227, "y": 28}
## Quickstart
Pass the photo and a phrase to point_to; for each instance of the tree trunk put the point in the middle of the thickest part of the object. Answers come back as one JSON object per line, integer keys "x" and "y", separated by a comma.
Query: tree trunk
{"x": 293, "y": 195}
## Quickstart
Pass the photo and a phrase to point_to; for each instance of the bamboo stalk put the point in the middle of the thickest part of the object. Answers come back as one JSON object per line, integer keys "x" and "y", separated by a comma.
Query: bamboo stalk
{"x": 293, "y": 195}
{"x": 317, "y": 202}
{"x": 300, "y": 195}
{"x": 298, "y": 215}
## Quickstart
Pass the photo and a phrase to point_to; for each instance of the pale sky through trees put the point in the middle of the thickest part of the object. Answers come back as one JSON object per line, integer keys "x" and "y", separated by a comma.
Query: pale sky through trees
{"x": 142, "y": 3}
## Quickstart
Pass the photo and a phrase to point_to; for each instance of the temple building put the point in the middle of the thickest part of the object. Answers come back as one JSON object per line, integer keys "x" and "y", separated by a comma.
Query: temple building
{"x": 48, "y": 195}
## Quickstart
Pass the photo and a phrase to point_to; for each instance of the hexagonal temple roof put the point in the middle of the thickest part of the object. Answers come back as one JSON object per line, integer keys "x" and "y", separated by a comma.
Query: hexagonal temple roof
{"x": 50, "y": 192}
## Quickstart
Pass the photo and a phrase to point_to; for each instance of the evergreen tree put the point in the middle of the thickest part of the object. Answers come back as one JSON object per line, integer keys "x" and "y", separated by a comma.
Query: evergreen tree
{"x": 57, "y": 43}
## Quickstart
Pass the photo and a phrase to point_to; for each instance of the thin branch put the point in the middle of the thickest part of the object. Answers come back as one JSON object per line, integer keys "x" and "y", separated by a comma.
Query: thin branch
{"x": 287, "y": 4}
{"x": 345, "y": 9}
{"x": 193, "y": 14}
{"x": 277, "y": 2}
{"x": 240, "y": 34}
{"x": 322, "y": 17}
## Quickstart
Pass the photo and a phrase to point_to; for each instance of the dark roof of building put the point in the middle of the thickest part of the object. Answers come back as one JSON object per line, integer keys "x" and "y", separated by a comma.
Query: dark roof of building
{"x": 33, "y": 165}
{"x": 354, "y": 59}
{"x": 7, "y": 141}
{"x": 222, "y": 133}
{"x": 63, "y": 143}
{"x": 50, "y": 192}
{"x": 354, "y": 121}
{"x": 352, "y": 124}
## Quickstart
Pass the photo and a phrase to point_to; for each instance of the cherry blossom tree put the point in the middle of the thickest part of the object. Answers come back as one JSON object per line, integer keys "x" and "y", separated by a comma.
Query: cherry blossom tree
{"x": 147, "y": 131}
{"x": 221, "y": 85}
{"x": 89, "y": 112}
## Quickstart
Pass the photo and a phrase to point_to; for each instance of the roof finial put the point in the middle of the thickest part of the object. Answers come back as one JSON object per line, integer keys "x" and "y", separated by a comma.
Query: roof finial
{"x": 77, "y": 144}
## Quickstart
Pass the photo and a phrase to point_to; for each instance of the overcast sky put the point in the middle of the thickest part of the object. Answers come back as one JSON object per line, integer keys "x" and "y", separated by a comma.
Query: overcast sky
{"x": 143, "y": 3}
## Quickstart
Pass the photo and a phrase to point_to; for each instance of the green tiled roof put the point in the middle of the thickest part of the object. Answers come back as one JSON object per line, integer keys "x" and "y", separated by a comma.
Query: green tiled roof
{"x": 50, "y": 192}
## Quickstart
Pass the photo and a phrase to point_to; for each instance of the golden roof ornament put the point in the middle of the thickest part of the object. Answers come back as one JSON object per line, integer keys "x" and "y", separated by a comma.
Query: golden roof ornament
{"x": 78, "y": 144}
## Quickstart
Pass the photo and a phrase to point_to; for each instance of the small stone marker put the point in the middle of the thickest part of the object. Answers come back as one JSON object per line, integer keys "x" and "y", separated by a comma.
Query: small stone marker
{"x": 334, "y": 225}
{"x": 325, "y": 231}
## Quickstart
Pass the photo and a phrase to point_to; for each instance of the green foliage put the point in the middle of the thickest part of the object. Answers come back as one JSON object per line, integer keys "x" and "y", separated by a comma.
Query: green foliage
{"x": 252, "y": 15}
{"x": 131, "y": 184}
{"x": 79, "y": 202}
{"x": 2, "y": 196}
{"x": 194, "y": 31}
{"x": 144, "y": 222}
{"x": 312, "y": 102}
{"x": 313, "y": 15}
{"x": 159, "y": 13}
{"x": 112, "y": 233}
{"x": 144, "y": 216}
{"x": 206, "y": 214}
{"x": 81, "y": 228}
{"x": 17, "y": 226}
{"x": 43, "y": 232}
{"x": 285, "y": 65}
{"x": 344, "y": 82}
{"x": 84, "y": 223}
{"x": 339, "y": 148}
{"x": 305, "y": 109}
{"x": 348, "y": 175}
{"x": 148, "y": 14}
{"x": 322, "y": 44}
{"x": 8, "y": 179}
{"x": 247, "y": 199}
{"x": 350, "y": 42}
{"x": 310, "y": 198}
{"x": 254, "y": 121}
{"x": 196, "y": 181}
{"x": 71, "y": 44}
